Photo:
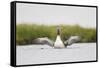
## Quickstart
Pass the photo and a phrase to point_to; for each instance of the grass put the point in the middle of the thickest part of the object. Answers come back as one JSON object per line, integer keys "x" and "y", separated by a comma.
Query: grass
{"x": 25, "y": 33}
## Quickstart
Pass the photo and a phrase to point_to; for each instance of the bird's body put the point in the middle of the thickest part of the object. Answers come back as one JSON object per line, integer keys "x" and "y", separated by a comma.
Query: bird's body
{"x": 58, "y": 43}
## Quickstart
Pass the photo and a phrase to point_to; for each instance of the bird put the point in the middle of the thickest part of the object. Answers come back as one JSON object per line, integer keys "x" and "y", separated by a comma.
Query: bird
{"x": 58, "y": 43}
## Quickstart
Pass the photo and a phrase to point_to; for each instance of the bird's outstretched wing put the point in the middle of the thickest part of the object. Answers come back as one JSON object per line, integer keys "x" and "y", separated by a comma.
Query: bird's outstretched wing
{"x": 71, "y": 40}
{"x": 44, "y": 40}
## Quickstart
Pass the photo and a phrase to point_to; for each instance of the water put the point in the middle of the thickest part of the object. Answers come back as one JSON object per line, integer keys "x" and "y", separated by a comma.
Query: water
{"x": 40, "y": 54}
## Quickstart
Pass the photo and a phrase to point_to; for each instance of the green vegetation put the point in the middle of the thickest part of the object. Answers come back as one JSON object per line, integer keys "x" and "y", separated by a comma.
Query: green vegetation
{"x": 25, "y": 33}
{"x": 86, "y": 34}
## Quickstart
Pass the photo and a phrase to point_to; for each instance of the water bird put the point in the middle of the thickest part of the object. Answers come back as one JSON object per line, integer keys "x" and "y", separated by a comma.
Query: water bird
{"x": 58, "y": 42}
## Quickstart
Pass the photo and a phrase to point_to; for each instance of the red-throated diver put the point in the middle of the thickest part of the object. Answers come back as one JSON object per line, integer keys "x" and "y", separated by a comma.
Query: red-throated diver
{"x": 58, "y": 43}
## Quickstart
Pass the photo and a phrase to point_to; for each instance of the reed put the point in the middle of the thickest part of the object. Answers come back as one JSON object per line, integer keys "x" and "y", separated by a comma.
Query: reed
{"x": 25, "y": 33}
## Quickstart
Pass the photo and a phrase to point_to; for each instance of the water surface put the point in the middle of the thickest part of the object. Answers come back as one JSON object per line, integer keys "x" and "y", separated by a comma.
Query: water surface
{"x": 40, "y": 54}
